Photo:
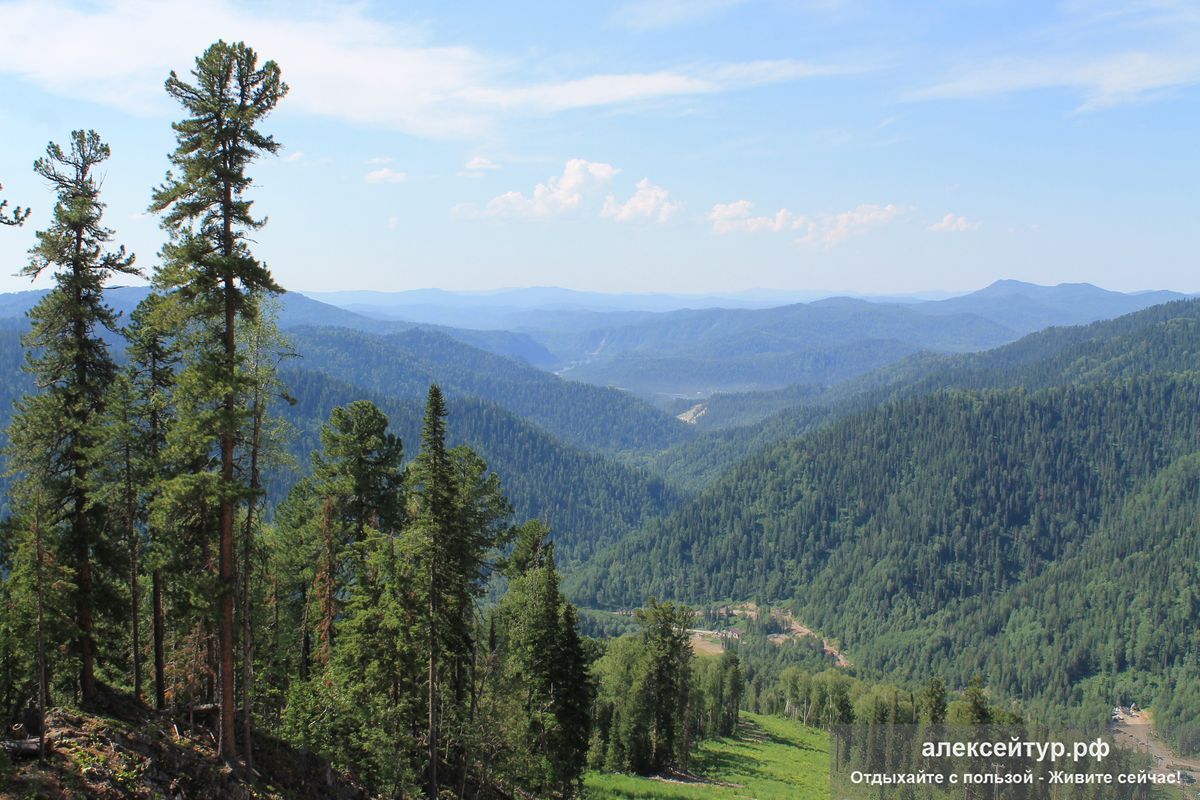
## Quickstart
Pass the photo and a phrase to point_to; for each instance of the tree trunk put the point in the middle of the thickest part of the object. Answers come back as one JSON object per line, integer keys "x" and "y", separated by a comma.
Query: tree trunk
{"x": 134, "y": 595}
{"x": 228, "y": 749}
{"x": 156, "y": 579}
{"x": 79, "y": 520}
{"x": 42, "y": 678}
{"x": 326, "y": 583}
{"x": 433, "y": 679}
{"x": 160, "y": 661}
{"x": 247, "y": 570}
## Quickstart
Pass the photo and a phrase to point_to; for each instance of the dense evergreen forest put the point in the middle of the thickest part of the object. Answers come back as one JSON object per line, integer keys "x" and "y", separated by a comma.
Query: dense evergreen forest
{"x": 1044, "y": 539}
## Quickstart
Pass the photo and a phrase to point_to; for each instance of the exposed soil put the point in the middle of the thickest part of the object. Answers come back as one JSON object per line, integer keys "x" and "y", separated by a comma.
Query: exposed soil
{"x": 1136, "y": 731}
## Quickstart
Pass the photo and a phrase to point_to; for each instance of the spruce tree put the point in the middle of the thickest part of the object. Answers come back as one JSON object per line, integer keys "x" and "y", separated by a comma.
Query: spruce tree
{"x": 210, "y": 268}
{"x": 458, "y": 513}
{"x": 55, "y": 431}
{"x": 436, "y": 530}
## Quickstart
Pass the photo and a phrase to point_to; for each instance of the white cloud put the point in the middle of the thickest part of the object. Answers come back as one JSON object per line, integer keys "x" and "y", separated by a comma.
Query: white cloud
{"x": 385, "y": 175}
{"x": 823, "y": 230}
{"x": 652, "y": 14}
{"x": 649, "y": 202}
{"x": 479, "y": 163}
{"x": 1104, "y": 82}
{"x": 736, "y": 217}
{"x": 952, "y": 223}
{"x": 617, "y": 88}
{"x": 339, "y": 61}
{"x": 294, "y": 157}
{"x": 558, "y": 195}
{"x": 393, "y": 223}
{"x": 378, "y": 160}
{"x": 1110, "y": 52}
{"x": 477, "y": 167}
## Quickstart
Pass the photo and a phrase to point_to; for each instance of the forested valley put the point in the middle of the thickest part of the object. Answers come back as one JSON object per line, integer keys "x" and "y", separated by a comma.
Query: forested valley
{"x": 322, "y": 554}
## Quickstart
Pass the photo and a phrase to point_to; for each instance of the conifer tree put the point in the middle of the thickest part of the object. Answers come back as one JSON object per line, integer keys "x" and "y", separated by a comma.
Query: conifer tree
{"x": 265, "y": 347}
{"x": 209, "y": 266}
{"x": 153, "y": 357}
{"x": 544, "y": 687}
{"x": 55, "y": 431}
{"x": 457, "y": 515}
{"x": 15, "y": 217}
{"x": 117, "y": 483}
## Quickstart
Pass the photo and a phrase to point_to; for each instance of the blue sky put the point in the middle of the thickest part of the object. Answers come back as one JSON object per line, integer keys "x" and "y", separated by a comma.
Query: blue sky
{"x": 668, "y": 145}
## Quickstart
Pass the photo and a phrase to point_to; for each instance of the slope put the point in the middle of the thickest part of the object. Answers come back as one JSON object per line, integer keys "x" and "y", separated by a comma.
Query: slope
{"x": 589, "y": 500}
{"x": 896, "y": 528}
{"x": 404, "y": 364}
{"x": 699, "y": 352}
{"x": 1162, "y": 338}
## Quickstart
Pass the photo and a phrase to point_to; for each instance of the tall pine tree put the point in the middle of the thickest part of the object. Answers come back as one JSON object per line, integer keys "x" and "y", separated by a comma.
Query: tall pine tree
{"x": 209, "y": 267}
{"x": 56, "y": 430}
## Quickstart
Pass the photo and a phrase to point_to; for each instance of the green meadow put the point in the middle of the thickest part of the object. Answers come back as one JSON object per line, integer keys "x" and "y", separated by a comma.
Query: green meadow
{"x": 770, "y": 759}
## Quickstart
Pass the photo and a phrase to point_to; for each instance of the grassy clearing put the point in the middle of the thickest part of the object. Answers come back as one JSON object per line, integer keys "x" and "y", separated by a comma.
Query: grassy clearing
{"x": 769, "y": 759}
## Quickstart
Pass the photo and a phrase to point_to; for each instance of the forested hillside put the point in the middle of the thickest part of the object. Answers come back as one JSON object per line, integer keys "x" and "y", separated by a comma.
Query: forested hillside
{"x": 900, "y": 529}
{"x": 296, "y": 310}
{"x": 724, "y": 350}
{"x": 586, "y": 499}
{"x": 399, "y": 364}
{"x": 1163, "y": 338}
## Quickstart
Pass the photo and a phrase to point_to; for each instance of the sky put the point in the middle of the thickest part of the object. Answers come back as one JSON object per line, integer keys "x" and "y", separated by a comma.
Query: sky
{"x": 670, "y": 145}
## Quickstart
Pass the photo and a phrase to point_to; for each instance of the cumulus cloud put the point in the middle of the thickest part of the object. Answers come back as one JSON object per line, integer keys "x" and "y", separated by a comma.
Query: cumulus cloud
{"x": 649, "y": 202}
{"x": 340, "y": 62}
{"x": 385, "y": 175}
{"x": 738, "y": 217}
{"x": 558, "y": 195}
{"x": 830, "y": 230}
{"x": 823, "y": 230}
{"x": 952, "y": 223}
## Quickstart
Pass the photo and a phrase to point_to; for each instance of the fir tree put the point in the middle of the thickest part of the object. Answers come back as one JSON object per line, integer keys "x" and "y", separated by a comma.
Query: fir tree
{"x": 208, "y": 264}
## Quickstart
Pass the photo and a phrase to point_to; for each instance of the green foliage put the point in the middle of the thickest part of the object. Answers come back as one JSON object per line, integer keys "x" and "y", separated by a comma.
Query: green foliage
{"x": 15, "y": 217}
{"x": 648, "y": 717}
{"x": 55, "y": 432}
{"x": 954, "y": 534}
{"x": 403, "y": 365}
{"x": 211, "y": 273}
{"x": 540, "y": 698}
